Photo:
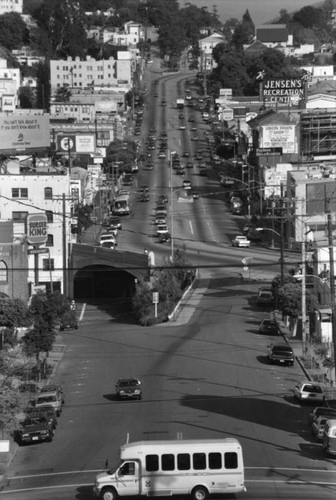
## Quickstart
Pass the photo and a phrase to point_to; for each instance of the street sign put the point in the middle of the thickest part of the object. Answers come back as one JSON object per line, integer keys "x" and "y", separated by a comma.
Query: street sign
{"x": 34, "y": 251}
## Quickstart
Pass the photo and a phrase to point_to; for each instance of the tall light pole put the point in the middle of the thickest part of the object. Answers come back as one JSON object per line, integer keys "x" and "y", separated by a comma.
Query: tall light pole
{"x": 282, "y": 248}
{"x": 171, "y": 209}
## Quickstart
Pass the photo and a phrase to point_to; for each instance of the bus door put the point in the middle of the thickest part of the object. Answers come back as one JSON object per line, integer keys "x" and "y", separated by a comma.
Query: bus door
{"x": 128, "y": 479}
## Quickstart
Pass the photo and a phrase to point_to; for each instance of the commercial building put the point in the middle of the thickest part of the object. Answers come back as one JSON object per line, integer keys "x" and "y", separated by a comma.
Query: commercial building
{"x": 23, "y": 193}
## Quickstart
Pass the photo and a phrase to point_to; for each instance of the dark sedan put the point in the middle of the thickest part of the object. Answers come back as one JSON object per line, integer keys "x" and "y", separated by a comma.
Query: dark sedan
{"x": 268, "y": 327}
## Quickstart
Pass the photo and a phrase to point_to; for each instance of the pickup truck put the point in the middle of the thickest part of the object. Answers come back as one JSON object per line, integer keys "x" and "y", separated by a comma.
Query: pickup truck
{"x": 241, "y": 241}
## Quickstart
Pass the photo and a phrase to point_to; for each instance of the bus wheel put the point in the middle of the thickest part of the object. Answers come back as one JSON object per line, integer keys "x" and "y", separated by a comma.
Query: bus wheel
{"x": 109, "y": 494}
{"x": 200, "y": 493}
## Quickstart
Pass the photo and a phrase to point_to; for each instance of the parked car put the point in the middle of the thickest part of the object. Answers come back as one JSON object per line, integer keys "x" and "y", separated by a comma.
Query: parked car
{"x": 160, "y": 219}
{"x": 144, "y": 197}
{"x": 52, "y": 398}
{"x": 47, "y": 412}
{"x": 108, "y": 244}
{"x": 128, "y": 388}
{"x": 108, "y": 237}
{"x": 54, "y": 387}
{"x": 195, "y": 195}
{"x": 329, "y": 438}
{"x": 268, "y": 327}
{"x": 34, "y": 430}
{"x": 164, "y": 238}
{"x": 241, "y": 241}
{"x": 162, "y": 229}
{"x": 318, "y": 427}
{"x": 281, "y": 354}
{"x": 186, "y": 184}
{"x": 189, "y": 164}
{"x": 319, "y": 411}
{"x": 163, "y": 198}
{"x": 307, "y": 391}
{"x": 265, "y": 297}
{"x": 203, "y": 172}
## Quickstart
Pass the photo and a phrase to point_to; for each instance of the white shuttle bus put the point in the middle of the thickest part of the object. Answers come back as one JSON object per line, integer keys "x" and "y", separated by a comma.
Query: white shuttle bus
{"x": 179, "y": 467}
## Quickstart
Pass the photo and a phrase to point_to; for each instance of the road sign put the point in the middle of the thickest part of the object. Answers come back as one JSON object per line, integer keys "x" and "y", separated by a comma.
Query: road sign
{"x": 34, "y": 251}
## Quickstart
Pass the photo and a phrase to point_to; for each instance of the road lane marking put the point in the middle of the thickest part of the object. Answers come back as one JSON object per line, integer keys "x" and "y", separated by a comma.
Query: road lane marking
{"x": 191, "y": 227}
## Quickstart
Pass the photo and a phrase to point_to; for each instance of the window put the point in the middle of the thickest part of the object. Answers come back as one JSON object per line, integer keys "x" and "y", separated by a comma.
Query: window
{"x": 48, "y": 265}
{"x": 215, "y": 461}
{"x": 128, "y": 469}
{"x": 48, "y": 193}
{"x": 50, "y": 216}
{"x": 199, "y": 462}
{"x": 183, "y": 461}
{"x": 19, "y": 192}
{"x": 3, "y": 271}
{"x": 50, "y": 240}
{"x": 19, "y": 216}
{"x": 152, "y": 463}
{"x": 168, "y": 462}
{"x": 231, "y": 460}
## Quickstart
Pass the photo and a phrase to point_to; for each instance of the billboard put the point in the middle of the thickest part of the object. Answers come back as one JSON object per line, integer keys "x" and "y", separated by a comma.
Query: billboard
{"x": 76, "y": 143}
{"x": 279, "y": 136}
{"x": 287, "y": 91}
{"x": 37, "y": 229}
{"x": 24, "y": 133}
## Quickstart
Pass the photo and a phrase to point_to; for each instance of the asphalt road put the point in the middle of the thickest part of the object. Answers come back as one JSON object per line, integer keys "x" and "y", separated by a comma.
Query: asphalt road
{"x": 206, "y": 379}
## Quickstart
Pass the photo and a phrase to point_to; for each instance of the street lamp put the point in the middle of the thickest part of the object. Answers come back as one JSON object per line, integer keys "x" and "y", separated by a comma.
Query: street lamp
{"x": 282, "y": 250}
{"x": 171, "y": 209}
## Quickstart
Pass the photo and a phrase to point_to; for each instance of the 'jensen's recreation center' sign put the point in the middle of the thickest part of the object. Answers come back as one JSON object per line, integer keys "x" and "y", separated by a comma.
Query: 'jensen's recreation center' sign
{"x": 283, "y": 91}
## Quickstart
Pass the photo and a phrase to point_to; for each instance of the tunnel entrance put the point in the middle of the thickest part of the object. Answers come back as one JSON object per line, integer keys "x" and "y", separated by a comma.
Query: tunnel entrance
{"x": 102, "y": 282}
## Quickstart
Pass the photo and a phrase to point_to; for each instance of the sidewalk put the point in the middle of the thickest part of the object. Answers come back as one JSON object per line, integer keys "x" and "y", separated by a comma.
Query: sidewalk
{"x": 310, "y": 362}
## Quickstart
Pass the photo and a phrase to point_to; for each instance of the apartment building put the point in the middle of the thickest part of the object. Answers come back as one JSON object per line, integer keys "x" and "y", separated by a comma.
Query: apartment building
{"x": 11, "y": 6}
{"x": 77, "y": 73}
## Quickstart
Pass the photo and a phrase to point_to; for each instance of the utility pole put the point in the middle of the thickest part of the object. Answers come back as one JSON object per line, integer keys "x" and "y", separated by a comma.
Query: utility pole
{"x": 64, "y": 244}
{"x": 331, "y": 269}
{"x": 332, "y": 276}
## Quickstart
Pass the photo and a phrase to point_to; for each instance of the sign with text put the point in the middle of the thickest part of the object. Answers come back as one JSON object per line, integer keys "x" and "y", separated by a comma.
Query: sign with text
{"x": 76, "y": 143}
{"x": 24, "y": 132}
{"x": 37, "y": 229}
{"x": 269, "y": 151}
{"x": 279, "y": 136}
{"x": 289, "y": 91}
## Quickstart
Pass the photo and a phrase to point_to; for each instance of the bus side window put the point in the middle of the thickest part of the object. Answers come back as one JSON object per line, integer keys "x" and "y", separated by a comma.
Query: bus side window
{"x": 152, "y": 463}
{"x": 183, "y": 461}
{"x": 168, "y": 461}
{"x": 231, "y": 460}
{"x": 199, "y": 462}
{"x": 127, "y": 469}
{"x": 215, "y": 461}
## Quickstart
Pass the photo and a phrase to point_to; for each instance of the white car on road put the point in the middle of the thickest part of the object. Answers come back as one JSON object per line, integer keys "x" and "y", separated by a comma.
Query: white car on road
{"x": 241, "y": 241}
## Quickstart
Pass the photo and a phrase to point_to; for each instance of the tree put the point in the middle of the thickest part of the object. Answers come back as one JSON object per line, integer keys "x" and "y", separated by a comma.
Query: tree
{"x": 83, "y": 218}
{"x": 46, "y": 311}
{"x": 309, "y": 17}
{"x": 289, "y": 300}
{"x": 43, "y": 90}
{"x": 9, "y": 408}
{"x": 13, "y": 31}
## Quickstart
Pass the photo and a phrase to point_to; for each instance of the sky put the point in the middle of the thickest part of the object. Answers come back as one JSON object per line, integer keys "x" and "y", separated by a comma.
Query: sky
{"x": 261, "y": 11}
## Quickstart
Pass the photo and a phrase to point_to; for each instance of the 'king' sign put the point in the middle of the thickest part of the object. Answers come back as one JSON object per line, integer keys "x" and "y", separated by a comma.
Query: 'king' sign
{"x": 37, "y": 229}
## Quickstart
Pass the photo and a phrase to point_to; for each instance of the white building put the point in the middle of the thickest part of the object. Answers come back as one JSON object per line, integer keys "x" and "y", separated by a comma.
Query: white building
{"x": 206, "y": 46}
{"x": 90, "y": 73}
{"x": 49, "y": 193}
{"x": 11, "y": 6}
